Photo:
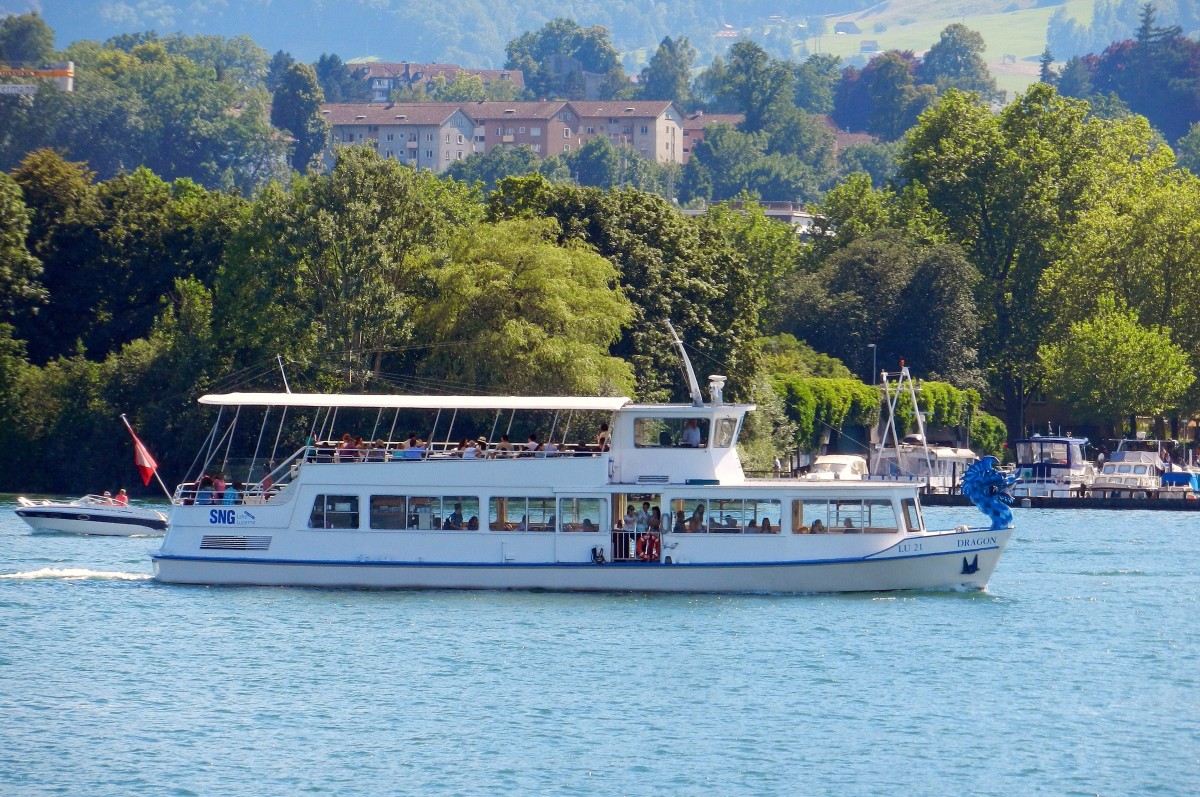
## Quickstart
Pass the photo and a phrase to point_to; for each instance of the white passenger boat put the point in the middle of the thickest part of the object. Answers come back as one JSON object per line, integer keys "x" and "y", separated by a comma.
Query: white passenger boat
{"x": 427, "y": 515}
{"x": 91, "y": 514}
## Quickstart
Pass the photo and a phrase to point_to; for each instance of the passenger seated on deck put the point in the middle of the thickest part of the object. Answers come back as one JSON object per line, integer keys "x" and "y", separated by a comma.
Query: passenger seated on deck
{"x": 818, "y": 527}
{"x": 696, "y": 522}
{"x": 504, "y": 448}
{"x": 204, "y": 493}
{"x": 766, "y": 527}
{"x": 680, "y": 526}
{"x": 531, "y": 445}
{"x": 588, "y": 525}
{"x": 122, "y": 498}
{"x": 473, "y": 523}
{"x": 524, "y": 524}
{"x": 752, "y": 527}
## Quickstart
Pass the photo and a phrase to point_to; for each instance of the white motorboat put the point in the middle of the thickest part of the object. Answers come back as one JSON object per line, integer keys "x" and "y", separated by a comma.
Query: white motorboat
{"x": 91, "y": 514}
{"x": 1052, "y": 467}
{"x": 838, "y": 466}
{"x": 427, "y": 515}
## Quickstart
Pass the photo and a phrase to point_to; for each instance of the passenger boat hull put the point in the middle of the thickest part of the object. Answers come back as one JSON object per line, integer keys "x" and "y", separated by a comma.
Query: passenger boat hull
{"x": 953, "y": 560}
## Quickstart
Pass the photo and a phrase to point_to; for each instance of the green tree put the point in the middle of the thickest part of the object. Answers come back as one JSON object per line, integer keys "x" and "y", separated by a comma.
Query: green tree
{"x": 755, "y": 84}
{"x": 530, "y": 315}
{"x": 956, "y": 61}
{"x": 1011, "y": 188}
{"x": 338, "y": 82}
{"x": 25, "y": 40}
{"x": 296, "y": 108}
{"x": 816, "y": 80}
{"x": 554, "y": 58}
{"x": 1110, "y": 366}
{"x": 21, "y": 291}
{"x": 333, "y": 264}
{"x": 669, "y": 73}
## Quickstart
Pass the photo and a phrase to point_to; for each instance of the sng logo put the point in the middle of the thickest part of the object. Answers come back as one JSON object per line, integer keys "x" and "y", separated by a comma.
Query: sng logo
{"x": 230, "y": 517}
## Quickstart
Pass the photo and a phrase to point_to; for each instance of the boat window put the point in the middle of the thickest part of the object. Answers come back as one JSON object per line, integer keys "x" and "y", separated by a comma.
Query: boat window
{"x": 726, "y": 432}
{"x": 1140, "y": 470}
{"x": 1025, "y": 453}
{"x": 912, "y": 514}
{"x": 424, "y": 512}
{"x": 388, "y": 512}
{"x": 334, "y": 512}
{"x": 460, "y": 512}
{"x": 849, "y": 516}
{"x": 582, "y": 514}
{"x": 766, "y": 516}
{"x": 1054, "y": 453}
{"x": 521, "y": 514}
{"x": 690, "y": 515}
{"x": 1110, "y": 469}
{"x": 670, "y": 432}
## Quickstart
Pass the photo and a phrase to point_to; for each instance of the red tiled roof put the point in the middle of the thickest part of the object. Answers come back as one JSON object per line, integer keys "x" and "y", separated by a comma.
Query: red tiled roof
{"x": 378, "y": 113}
{"x": 373, "y": 69}
{"x": 486, "y": 111}
{"x": 620, "y": 107}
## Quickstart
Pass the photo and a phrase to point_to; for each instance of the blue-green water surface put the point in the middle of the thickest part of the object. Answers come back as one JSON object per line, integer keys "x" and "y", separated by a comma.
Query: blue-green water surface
{"x": 1076, "y": 673}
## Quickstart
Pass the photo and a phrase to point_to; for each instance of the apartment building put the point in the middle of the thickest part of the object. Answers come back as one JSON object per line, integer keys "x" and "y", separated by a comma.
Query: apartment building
{"x": 548, "y": 128}
{"x": 652, "y": 127}
{"x": 427, "y": 135}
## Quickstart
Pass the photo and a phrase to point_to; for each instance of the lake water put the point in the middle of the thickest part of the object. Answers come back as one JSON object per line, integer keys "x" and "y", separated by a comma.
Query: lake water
{"x": 1076, "y": 673}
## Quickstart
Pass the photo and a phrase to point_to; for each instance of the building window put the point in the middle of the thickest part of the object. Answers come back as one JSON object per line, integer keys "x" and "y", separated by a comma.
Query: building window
{"x": 537, "y": 147}
{"x": 429, "y": 154}
{"x": 520, "y": 129}
{"x": 429, "y": 136}
{"x": 535, "y": 131}
{"x": 566, "y": 147}
{"x": 391, "y": 136}
{"x": 447, "y": 138}
{"x": 447, "y": 156}
{"x": 566, "y": 132}
{"x": 499, "y": 131}
{"x": 458, "y": 155}
{"x": 372, "y": 128}
{"x": 460, "y": 138}
{"x": 387, "y": 153}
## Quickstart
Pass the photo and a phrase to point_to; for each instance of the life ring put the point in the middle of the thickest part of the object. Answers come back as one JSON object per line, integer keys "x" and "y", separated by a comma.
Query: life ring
{"x": 648, "y": 549}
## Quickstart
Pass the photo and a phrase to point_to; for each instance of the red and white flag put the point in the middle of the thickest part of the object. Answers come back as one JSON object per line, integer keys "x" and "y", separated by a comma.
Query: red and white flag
{"x": 141, "y": 457}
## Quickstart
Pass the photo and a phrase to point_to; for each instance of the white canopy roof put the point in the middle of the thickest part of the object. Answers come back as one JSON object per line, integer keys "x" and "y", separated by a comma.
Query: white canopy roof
{"x": 340, "y": 400}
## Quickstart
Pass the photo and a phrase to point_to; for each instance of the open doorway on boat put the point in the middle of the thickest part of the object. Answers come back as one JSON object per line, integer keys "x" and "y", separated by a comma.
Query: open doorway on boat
{"x": 638, "y": 524}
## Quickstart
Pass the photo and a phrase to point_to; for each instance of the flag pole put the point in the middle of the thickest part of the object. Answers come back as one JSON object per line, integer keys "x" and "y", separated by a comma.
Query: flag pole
{"x": 166, "y": 492}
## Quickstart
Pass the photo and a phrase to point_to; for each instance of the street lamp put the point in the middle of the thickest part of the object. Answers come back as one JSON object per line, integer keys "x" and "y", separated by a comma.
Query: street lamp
{"x": 871, "y": 346}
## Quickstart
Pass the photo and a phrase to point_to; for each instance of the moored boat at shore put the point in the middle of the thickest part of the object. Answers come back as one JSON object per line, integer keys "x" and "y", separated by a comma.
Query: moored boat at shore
{"x": 415, "y": 514}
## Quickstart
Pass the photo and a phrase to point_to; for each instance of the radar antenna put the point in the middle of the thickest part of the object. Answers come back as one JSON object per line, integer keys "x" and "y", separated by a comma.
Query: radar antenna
{"x": 693, "y": 385}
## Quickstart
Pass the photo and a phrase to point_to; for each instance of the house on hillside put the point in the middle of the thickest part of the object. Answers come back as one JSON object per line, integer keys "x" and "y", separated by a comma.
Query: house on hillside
{"x": 384, "y": 77}
{"x": 426, "y": 135}
{"x": 846, "y": 29}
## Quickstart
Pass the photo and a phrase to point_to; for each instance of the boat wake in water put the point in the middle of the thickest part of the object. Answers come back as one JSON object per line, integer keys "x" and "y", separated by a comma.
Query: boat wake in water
{"x": 76, "y": 574}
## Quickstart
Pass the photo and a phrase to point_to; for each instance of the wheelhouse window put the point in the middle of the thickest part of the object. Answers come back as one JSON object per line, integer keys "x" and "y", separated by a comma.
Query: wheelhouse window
{"x": 521, "y": 513}
{"x": 671, "y": 432}
{"x": 726, "y": 432}
{"x": 912, "y": 514}
{"x": 582, "y": 514}
{"x": 334, "y": 512}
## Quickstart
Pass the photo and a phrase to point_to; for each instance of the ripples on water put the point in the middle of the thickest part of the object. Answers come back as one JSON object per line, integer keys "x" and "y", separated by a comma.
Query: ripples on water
{"x": 1075, "y": 673}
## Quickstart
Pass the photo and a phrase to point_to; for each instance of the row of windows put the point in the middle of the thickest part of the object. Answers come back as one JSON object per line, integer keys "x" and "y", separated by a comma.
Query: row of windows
{"x": 458, "y": 513}
{"x": 695, "y": 515}
{"x": 508, "y": 131}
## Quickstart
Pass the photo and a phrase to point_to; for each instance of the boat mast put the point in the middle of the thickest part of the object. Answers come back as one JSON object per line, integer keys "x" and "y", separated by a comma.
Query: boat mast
{"x": 693, "y": 385}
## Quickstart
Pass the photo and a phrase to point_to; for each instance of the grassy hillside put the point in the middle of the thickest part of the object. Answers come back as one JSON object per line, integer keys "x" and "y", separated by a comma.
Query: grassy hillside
{"x": 1015, "y": 31}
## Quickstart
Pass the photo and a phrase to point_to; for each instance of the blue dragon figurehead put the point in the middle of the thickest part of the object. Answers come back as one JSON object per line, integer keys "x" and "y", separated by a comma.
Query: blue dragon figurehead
{"x": 988, "y": 490}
